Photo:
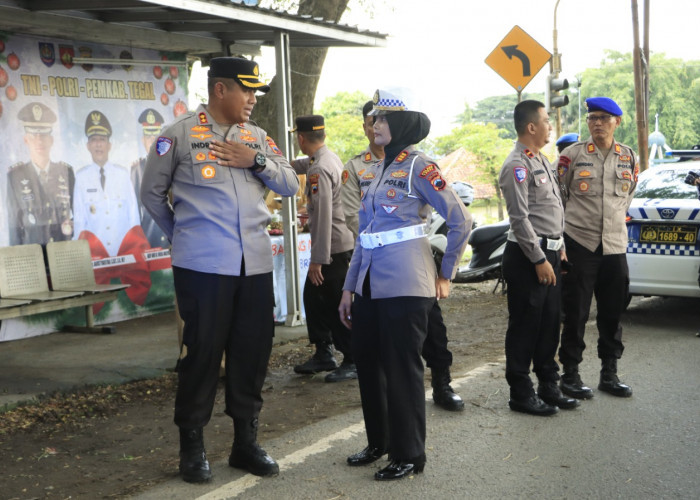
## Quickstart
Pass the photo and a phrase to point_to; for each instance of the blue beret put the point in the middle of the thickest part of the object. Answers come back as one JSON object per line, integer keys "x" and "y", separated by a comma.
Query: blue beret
{"x": 603, "y": 104}
{"x": 567, "y": 138}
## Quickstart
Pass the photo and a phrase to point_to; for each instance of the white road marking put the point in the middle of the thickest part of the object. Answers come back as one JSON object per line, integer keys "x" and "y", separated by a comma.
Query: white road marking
{"x": 235, "y": 488}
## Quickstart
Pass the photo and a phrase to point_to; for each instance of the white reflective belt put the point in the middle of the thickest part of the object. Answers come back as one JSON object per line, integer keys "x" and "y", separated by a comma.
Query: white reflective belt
{"x": 374, "y": 240}
{"x": 552, "y": 244}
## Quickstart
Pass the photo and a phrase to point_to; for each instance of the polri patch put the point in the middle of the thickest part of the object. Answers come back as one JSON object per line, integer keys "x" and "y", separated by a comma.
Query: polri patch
{"x": 520, "y": 174}
{"x": 390, "y": 209}
{"x": 344, "y": 176}
{"x": 163, "y": 145}
{"x": 313, "y": 178}
{"x": 438, "y": 183}
{"x": 272, "y": 145}
{"x": 430, "y": 168}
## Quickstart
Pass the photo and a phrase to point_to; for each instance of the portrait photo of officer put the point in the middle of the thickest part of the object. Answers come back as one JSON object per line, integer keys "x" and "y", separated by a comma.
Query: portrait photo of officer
{"x": 151, "y": 122}
{"x": 39, "y": 201}
{"x": 105, "y": 208}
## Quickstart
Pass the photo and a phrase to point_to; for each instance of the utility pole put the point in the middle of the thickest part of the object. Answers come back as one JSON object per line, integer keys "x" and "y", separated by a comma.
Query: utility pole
{"x": 555, "y": 66}
{"x": 641, "y": 76}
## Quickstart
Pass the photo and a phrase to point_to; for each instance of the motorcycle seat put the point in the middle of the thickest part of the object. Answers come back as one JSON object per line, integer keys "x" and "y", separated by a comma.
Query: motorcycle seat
{"x": 490, "y": 232}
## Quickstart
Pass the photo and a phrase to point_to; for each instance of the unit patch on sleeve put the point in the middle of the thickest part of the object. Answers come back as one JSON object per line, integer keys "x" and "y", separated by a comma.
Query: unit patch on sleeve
{"x": 272, "y": 145}
{"x": 520, "y": 174}
{"x": 163, "y": 145}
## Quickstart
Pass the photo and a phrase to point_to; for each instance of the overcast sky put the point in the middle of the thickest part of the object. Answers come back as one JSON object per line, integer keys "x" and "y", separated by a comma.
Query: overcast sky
{"x": 438, "y": 47}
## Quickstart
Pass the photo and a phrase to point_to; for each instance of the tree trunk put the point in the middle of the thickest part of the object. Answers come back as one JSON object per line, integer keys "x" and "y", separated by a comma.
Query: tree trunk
{"x": 306, "y": 65}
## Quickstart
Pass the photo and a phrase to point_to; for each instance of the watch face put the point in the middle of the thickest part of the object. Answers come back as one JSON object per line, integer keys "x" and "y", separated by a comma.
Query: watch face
{"x": 260, "y": 159}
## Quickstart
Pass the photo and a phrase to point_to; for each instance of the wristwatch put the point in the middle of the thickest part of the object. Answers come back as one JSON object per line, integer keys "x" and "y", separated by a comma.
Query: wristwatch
{"x": 260, "y": 162}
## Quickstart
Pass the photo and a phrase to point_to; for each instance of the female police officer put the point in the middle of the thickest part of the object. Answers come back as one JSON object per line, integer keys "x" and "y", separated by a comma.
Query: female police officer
{"x": 395, "y": 283}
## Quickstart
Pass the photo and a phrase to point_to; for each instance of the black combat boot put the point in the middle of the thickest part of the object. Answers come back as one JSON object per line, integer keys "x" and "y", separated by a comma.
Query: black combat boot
{"x": 194, "y": 466}
{"x": 571, "y": 384}
{"x": 322, "y": 361}
{"x": 550, "y": 393}
{"x": 346, "y": 371}
{"x": 610, "y": 383}
{"x": 246, "y": 453}
{"x": 443, "y": 395}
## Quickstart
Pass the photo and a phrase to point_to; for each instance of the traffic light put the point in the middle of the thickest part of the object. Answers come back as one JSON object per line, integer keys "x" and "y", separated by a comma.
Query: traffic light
{"x": 551, "y": 93}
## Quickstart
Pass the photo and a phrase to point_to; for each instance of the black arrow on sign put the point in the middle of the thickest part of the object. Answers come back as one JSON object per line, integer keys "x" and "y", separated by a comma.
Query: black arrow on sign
{"x": 512, "y": 50}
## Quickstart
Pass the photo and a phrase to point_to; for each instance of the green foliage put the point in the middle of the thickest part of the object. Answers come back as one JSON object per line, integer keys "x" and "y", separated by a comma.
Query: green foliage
{"x": 499, "y": 111}
{"x": 343, "y": 115}
{"x": 487, "y": 141}
{"x": 674, "y": 93}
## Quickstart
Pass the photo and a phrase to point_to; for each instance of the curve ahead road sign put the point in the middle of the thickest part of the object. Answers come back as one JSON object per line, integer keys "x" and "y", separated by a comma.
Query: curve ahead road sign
{"x": 518, "y": 58}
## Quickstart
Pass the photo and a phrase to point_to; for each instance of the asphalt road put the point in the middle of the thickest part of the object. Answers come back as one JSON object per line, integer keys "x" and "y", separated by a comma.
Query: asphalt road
{"x": 642, "y": 447}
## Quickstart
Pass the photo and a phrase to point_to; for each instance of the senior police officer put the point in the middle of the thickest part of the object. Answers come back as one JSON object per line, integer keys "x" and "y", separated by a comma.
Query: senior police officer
{"x": 39, "y": 191}
{"x": 331, "y": 249}
{"x": 105, "y": 207}
{"x": 151, "y": 122}
{"x": 531, "y": 265}
{"x": 222, "y": 257}
{"x": 435, "y": 352}
{"x": 598, "y": 178}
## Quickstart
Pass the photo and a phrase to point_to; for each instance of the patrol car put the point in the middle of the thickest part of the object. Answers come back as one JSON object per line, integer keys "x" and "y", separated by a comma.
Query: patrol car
{"x": 663, "y": 252}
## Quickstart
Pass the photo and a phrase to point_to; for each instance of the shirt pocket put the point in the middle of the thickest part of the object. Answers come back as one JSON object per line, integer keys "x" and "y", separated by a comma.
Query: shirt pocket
{"x": 543, "y": 186}
{"x": 584, "y": 182}
{"x": 623, "y": 181}
{"x": 206, "y": 173}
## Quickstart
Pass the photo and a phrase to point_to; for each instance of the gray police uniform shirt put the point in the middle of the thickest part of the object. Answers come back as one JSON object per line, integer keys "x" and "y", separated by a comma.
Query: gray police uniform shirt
{"x": 218, "y": 215}
{"x": 40, "y": 213}
{"x": 329, "y": 233}
{"x": 401, "y": 195}
{"x": 597, "y": 193}
{"x": 350, "y": 190}
{"x": 108, "y": 213}
{"x": 533, "y": 200}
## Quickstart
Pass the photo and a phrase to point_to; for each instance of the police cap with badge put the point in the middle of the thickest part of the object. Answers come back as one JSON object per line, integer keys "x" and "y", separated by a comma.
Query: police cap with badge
{"x": 244, "y": 71}
{"x": 604, "y": 104}
{"x": 151, "y": 121}
{"x": 97, "y": 123}
{"x": 309, "y": 123}
{"x": 37, "y": 118}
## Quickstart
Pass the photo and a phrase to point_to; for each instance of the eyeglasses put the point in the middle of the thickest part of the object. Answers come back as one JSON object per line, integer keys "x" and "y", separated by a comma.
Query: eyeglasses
{"x": 598, "y": 118}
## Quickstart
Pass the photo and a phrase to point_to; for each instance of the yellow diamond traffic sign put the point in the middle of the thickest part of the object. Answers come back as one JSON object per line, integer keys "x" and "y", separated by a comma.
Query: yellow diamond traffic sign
{"x": 518, "y": 58}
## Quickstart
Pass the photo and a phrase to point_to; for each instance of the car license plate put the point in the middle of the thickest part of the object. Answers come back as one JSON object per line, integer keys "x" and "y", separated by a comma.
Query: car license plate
{"x": 679, "y": 234}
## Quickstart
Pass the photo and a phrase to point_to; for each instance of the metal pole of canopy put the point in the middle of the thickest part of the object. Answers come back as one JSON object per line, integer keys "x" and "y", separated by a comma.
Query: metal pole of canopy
{"x": 289, "y": 204}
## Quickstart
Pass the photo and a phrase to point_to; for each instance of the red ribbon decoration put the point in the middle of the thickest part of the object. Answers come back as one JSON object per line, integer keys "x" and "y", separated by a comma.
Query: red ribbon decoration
{"x": 135, "y": 274}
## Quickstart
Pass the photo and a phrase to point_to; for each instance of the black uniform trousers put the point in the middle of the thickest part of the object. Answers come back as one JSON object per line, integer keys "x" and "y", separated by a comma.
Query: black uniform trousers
{"x": 232, "y": 314}
{"x": 321, "y": 306}
{"x": 606, "y": 276}
{"x": 387, "y": 338}
{"x": 435, "y": 351}
{"x": 534, "y": 309}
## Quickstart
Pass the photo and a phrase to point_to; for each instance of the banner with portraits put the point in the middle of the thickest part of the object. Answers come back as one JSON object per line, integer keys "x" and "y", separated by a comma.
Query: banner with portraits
{"x": 75, "y": 135}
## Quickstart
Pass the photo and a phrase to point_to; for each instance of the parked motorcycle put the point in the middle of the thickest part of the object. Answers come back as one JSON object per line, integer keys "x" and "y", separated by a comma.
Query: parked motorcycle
{"x": 488, "y": 243}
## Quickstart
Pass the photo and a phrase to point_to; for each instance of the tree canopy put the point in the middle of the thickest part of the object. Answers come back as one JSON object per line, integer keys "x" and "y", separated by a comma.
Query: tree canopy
{"x": 343, "y": 115}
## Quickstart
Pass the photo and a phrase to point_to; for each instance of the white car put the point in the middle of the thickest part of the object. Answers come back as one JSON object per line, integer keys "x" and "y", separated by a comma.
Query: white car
{"x": 663, "y": 252}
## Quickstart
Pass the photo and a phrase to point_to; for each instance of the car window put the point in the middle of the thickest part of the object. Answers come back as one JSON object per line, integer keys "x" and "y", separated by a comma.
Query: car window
{"x": 665, "y": 183}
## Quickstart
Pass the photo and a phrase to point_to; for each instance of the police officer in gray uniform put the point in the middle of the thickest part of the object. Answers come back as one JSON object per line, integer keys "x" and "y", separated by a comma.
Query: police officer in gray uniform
{"x": 395, "y": 283}
{"x": 435, "y": 352}
{"x": 331, "y": 249}
{"x": 39, "y": 191}
{"x": 222, "y": 257}
{"x": 531, "y": 265}
{"x": 598, "y": 179}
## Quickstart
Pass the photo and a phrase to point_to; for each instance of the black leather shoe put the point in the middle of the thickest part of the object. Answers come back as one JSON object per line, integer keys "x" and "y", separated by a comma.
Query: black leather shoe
{"x": 322, "y": 361}
{"x": 254, "y": 459}
{"x": 346, "y": 371}
{"x": 443, "y": 394}
{"x": 612, "y": 385}
{"x": 550, "y": 393}
{"x": 399, "y": 469}
{"x": 533, "y": 406}
{"x": 366, "y": 456}
{"x": 571, "y": 385}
